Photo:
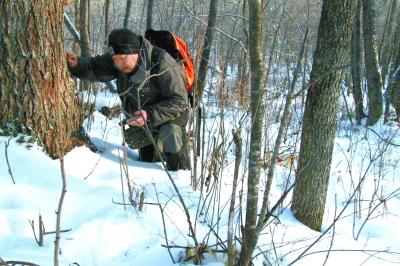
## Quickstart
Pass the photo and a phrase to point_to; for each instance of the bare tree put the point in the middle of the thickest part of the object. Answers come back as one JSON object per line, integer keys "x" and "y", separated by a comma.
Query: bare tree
{"x": 127, "y": 13}
{"x": 374, "y": 79}
{"x": 205, "y": 53}
{"x": 387, "y": 39}
{"x": 149, "y": 19}
{"x": 250, "y": 235}
{"x": 356, "y": 64}
{"x": 83, "y": 27}
{"x": 106, "y": 21}
{"x": 320, "y": 115}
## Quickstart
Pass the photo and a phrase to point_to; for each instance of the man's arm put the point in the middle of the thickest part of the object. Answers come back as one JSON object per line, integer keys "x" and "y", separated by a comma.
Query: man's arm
{"x": 98, "y": 68}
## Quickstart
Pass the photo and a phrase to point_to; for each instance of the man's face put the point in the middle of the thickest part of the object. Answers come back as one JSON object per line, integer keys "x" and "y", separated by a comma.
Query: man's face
{"x": 126, "y": 62}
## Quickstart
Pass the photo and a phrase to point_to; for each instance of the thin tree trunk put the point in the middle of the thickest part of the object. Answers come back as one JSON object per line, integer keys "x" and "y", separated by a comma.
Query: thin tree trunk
{"x": 394, "y": 82}
{"x": 281, "y": 132}
{"x": 83, "y": 28}
{"x": 36, "y": 91}
{"x": 250, "y": 235}
{"x": 149, "y": 19}
{"x": 238, "y": 157}
{"x": 58, "y": 212}
{"x": 320, "y": 114}
{"x": 205, "y": 53}
{"x": 374, "y": 80}
{"x": 356, "y": 63}
{"x": 127, "y": 12}
{"x": 106, "y": 22}
{"x": 387, "y": 42}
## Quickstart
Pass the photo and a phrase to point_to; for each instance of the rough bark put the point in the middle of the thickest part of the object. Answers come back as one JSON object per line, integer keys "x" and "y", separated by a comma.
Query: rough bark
{"x": 356, "y": 63}
{"x": 374, "y": 79}
{"x": 36, "y": 90}
{"x": 320, "y": 115}
{"x": 257, "y": 80}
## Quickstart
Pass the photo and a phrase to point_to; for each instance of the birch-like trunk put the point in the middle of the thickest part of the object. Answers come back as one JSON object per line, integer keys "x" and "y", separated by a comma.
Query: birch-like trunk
{"x": 250, "y": 236}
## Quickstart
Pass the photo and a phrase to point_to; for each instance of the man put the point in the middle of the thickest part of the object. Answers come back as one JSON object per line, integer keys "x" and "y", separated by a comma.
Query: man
{"x": 151, "y": 86}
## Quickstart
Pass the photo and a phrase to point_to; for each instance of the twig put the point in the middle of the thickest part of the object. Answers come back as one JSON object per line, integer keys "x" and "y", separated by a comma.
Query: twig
{"x": 156, "y": 148}
{"x": 388, "y": 141}
{"x": 7, "y": 143}
{"x": 184, "y": 247}
{"x": 122, "y": 180}
{"x": 41, "y": 231}
{"x": 94, "y": 167}
{"x": 163, "y": 222}
{"x": 333, "y": 235}
{"x": 60, "y": 204}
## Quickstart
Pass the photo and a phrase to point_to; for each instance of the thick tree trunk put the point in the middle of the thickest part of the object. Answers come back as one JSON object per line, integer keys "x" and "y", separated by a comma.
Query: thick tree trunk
{"x": 36, "y": 90}
{"x": 374, "y": 79}
{"x": 319, "y": 124}
{"x": 356, "y": 63}
{"x": 250, "y": 235}
{"x": 205, "y": 53}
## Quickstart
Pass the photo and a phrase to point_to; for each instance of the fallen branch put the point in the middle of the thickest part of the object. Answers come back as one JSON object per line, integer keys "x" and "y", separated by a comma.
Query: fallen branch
{"x": 17, "y": 263}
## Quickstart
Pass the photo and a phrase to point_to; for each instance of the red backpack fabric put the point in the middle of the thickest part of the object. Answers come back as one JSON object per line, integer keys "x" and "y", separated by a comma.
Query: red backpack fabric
{"x": 178, "y": 49}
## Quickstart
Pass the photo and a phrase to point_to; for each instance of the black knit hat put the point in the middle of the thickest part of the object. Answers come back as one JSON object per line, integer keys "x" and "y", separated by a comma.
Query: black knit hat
{"x": 124, "y": 41}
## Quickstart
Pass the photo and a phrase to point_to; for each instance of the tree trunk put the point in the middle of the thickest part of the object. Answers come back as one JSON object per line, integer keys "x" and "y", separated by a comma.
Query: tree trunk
{"x": 393, "y": 63}
{"x": 83, "y": 28}
{"x": 127, "y": 13}
{"x": 374, "y": 80}
{"x": 36, "y": 90}
{"x": 394, "y": 81}
{"x": 149, "y": 19}
{"x": 319, "y": 124}
{"x": 387, "y": 43}
{"x": 356, "y": 64}
{"x": 257, "y": 78}
{"x": 106, "y": 23}
{"x": 205, "y": 53}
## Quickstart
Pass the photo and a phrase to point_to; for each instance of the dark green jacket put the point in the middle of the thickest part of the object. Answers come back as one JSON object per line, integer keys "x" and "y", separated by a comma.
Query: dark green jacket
{"x": 163, "y": 95}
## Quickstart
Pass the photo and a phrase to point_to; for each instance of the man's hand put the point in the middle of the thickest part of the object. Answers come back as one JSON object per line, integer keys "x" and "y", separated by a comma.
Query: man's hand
{"x": 139, "y": 119}
{"x": 72, "y": 60}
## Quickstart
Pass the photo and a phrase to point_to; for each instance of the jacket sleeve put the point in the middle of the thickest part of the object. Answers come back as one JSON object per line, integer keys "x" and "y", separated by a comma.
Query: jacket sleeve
{"x": 174, "y": 99}
{"x": 98, "y": 68}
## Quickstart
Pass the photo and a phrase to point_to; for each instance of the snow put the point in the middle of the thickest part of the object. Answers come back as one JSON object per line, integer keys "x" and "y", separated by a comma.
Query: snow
{"x": 104, "y": 232}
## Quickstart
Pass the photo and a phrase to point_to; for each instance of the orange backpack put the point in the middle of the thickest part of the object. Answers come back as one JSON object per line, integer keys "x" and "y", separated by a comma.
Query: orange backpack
{"x": 178, "y": 49}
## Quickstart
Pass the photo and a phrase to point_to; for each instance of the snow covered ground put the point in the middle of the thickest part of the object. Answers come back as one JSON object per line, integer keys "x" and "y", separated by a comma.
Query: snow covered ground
{"x": 105, "y": 232}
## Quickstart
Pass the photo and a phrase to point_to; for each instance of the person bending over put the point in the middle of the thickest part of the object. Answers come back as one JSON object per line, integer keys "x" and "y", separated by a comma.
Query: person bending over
{"x": 151, "y": 86}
